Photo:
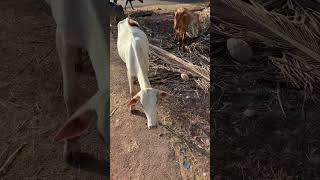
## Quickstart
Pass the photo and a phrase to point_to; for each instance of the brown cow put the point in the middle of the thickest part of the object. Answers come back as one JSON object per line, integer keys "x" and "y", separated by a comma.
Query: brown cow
{"x": 183, "y": 18}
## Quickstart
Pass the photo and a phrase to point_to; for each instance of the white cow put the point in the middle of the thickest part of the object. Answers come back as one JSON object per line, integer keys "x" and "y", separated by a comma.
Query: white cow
{"x": 80, "y": 24}
{"x": 133, "y": 48}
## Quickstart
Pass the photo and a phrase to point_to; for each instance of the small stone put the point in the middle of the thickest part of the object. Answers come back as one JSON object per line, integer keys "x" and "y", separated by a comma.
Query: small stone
{"x": 161, "y": 134}
{"x": 249, "y": 112}
{"x": 184, "y": 76}
{"x": 188, "y": 97}
{"x": 186, "y": 165}
{"x": 239, "y": 50}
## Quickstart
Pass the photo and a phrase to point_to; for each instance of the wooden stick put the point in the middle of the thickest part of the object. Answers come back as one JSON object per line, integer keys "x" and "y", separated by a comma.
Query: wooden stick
{"x": 10, "y": 159}
{"x": 279, "y": 100}
{"x": 22, "y": 125}
{"x": 38, "y": 172}
{"x": 170, "y": 59}
{"x": 113, "y": 111}
{"x": 205, "y": 58}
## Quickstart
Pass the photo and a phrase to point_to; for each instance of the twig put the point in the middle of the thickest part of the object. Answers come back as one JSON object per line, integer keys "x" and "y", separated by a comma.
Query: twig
{"x": 113, "y": 111}
{"x": 10, "y": 159}
{"x": 37, "y": 172}
{"x": 21, "y": 125}
{"x": 45, "y": 56}
{"x": 165, "y": 55}
{"x": 30, "y": 61}
{"x": 205, "y": 58}
{"x": 279, "y": 99}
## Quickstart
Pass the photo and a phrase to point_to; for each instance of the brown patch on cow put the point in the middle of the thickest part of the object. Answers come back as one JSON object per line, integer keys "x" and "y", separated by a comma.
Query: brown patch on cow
{"x": 133, "y": 23}
{"x": 182, "y": 19}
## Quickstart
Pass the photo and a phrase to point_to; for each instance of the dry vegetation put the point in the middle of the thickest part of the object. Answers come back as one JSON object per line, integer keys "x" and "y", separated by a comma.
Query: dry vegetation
{"x": 279, "y": 138}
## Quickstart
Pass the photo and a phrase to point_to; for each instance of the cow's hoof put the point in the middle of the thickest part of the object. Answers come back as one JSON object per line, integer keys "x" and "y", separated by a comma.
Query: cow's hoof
{"x": 72, "y": 157}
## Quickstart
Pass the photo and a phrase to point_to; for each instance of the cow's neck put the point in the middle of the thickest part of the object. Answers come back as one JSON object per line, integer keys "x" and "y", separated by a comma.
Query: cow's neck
{"x": 143, "y": 80}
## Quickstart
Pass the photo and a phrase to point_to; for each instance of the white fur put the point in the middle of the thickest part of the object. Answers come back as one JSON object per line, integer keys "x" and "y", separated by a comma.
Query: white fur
{"x": 133, "y": 48}
{"x": 80, "y": 25}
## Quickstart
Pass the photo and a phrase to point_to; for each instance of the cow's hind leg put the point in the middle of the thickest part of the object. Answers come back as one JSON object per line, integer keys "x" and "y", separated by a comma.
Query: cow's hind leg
{"x": 131, "y": 5}
{"x": 125, "y": 7}
{"x": 68, "y": 55}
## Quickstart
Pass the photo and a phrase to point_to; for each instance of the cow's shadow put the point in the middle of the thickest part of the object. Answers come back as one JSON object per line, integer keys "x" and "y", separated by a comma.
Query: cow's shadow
{"x": 139, "y": 113}
{"x": 91, "y": 164}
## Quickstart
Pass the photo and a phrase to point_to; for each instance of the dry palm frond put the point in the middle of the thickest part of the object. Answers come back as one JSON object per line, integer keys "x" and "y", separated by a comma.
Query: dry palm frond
{"x": 301, "y": 62}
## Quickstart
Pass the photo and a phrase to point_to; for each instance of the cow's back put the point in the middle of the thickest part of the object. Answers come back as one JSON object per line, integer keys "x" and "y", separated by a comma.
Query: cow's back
{"x": 133, "y": 41}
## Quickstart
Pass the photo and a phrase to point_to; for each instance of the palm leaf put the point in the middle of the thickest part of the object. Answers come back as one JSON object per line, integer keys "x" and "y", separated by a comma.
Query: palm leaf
{"x": 298, "y": 36}
{"x": 301, "y": 61}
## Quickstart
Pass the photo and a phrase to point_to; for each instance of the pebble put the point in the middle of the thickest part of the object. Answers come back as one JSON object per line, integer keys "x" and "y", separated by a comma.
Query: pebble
{"x": 184, "y": 76}
{"x": 249, "y": 112}
{"x": 239, "y": 50}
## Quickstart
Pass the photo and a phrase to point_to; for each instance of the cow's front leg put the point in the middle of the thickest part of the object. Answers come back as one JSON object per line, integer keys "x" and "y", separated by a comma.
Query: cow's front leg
{"x": 71, "y": 151}
{"x": 182, "y": 41}
{"x": 68, "y": 55}
{"x": 131, "y": 90}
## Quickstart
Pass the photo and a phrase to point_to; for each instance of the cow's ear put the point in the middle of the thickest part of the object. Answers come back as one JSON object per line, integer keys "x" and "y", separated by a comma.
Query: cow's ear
{"x": 134, "y": 100}
{"x": 163, "y": 94}
{"x": 132, "y": 22}
{"x": 75, "y": 127}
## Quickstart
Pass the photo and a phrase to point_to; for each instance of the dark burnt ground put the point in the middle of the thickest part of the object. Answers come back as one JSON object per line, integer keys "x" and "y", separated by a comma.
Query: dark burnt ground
{"x": 273, "y": 143}
{"x": 31, "y": 98}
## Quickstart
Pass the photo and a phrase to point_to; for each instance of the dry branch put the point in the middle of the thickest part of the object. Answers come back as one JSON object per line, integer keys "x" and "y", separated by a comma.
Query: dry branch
{"x": 300, "y": 61}
{"x": 172, "y": 59}
{"x": 10, "y": 159}
{"x": 113, "y": 111}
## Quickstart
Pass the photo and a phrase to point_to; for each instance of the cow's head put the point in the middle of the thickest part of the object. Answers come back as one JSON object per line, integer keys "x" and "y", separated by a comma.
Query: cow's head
{"x": 148, "y": 98}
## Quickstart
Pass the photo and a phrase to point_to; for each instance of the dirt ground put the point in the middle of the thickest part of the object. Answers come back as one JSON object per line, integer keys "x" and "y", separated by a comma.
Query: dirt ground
{"x": 32, "y": 107}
